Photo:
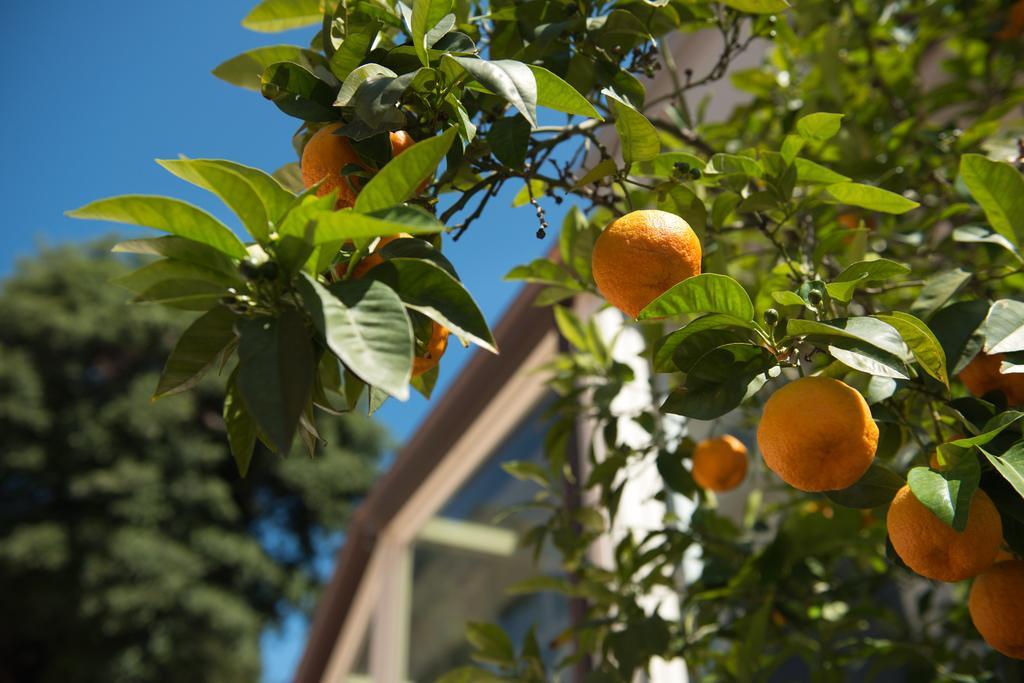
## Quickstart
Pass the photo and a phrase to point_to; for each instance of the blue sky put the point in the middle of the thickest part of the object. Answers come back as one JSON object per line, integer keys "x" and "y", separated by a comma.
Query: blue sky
{"x": 95, "y": 91}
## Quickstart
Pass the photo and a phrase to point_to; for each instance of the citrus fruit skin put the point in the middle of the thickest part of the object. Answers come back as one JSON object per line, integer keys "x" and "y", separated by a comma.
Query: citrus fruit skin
{"x": 982, "y": 376}
{"x": 995, "y": 607}
{"x": 817, "y": 434}
{"x": 436, "y": 347}
{"x": 326, "y": 154}
{"x": 720, "y": 464}
{"x": 641, "y": 255}
{"x": 934, "y": 549}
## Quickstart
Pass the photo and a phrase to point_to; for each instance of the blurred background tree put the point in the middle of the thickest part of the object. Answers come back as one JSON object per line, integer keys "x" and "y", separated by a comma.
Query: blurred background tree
{"x": 130, "y": 549}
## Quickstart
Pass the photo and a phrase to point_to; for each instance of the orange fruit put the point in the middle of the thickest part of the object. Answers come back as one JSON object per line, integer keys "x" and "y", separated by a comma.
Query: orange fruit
{"x": 934, "y": 549}
{"x": 326, "y": 154}
{"x": 434, "y": 349}
{"x": 982, "y": 376}
{"x": 817, "y": 434}
{"x": 642, "y": 255}
{"x": 720, "y": 464}
{"x": 995, "y": 607}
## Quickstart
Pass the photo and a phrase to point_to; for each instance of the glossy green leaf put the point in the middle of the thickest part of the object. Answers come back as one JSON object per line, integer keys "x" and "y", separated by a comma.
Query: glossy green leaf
{"x": 271, "y": 16}
{"x": 999, "y": 188}
{"x": 981, "y": 234}
{"x": 507, "y": 78}
{"x": 401, "y": 177}
{"x": 179, "y": 249}
{"x": 947, "y": 494}
{"x": 424, "y": 286}
{"x": 862, "y": 273}
{"x": 169, "y": 215}
{"x": 364, "y": 323}
{"x": 938, "y": 290}
{"x": 665, "y": 348}
{"x": 819, "y": 127}
{"x": 360, "y": 33}
{"x": 240, "y": 426}
{"x": 638, "y": 136}
{"x": 348, "y": 224}
{"x": 721, "y": 380}
{"x": 169, "y": 269}
{"x": 870, "y": 197}
{"x": 196, "y": 350}
{"x": 508, "y": 139}
{"x": 877, "y": 487}
{"x": 275, "y": 373}
{"x": 253, "y": 195}
{"x": 809, "y": 172}
{"x": 187, "y": 295}
{"x": 664, "y": 165}
{"x": 246, "y": 69}
{"x": 601, "y": 170}
{"x": 922, "y": 343}
{"x": 996, "y": 426}
{"x": 1003, "y": 329}
{"x": 734, "y": 164}
{"x": 555, "y": 93}
{"x": 1011, "y": 465}
{"x": 543, "y": 271}
{"x": 492, "y": 644}
{"x": 863, "y": 343}
{"x": 298, "y": 92}
{"x": 426, "y": 14}
{"x": 707, "y": 293}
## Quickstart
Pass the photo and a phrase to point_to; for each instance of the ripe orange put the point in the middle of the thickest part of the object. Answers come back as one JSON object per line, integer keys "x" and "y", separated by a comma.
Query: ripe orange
{"x": 641, "y": 255}
{"x": 817, "y": 434}
{"x": 982, "y": 376}
{"x": 1014, "y": 23}
{"x": 933, "y": 549}
{"x": 431, "y": 354}
{"x": 326, "y": 154}
{"x": 720, "y": 464}
{"x": 995, "y": 607}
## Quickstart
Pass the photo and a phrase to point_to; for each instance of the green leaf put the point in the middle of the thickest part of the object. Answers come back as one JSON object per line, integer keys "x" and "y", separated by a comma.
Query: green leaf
{"x": 275, "y": 373}
{"x": 787, "y": 298}
{"x": 877, "y": 487}
{"x": 271, "y": 16}
{"x": 980, "y": 234}
{"x": 665, "y": 348}
{"x": 570, "y": 327}
{"x": 298, "y": 92}
{"x": 603, "y": 169}
{"x": 246, "y": 69}
{"x": 809, "y": 172}
{"x": 365, "y": 324}
{"x": 734, "y": 164}
{"x": 863, "y": 343}
{"x": 999, "y": 189}
{"x": 532, "y": 188}
{"x": 937, "y": 290}
{"x": 707, "y": 293}
{"x": 507, "y": 78}
{"x": 862, "y": 273}
{"x": 196, "y": 350}
{"x": 664, "y": 165}
{"x": 544, "y": 271}
{"x": 947, "y": 494}
{"x": 1003, "y": 329}
{"x": 994, "y": 428}
{"x": 356, "y": 78}
{"x": 169, "y": 215}
{"x": 239, "y": 425}
{"x": 870, "y": 197}
{"x": 253, "y": 195}
{"x": 508, "y": 139}
{"x": 1011, "y": 465}
{"x": 576, "y": 243}
{"x": 169, "y": 269}
{"x": 492, "y": 644}
{"x": 188, "y": 295}
{"x": 424, "y": 286}
{"x": 426, "y": 14}
{"x": 360, "y": 32}
{"x": 819, "y": 127}
{"x": 180, "y": 249}
{"x": 638, "y": 136}
{"x": 721, "y": 380}
{"x": 554, "y": 93}
{"x": 348, "y": 224}
{"x": 922, "y": 343}
{"x": 401, "y": 177}
{"x": 758, "y": 6}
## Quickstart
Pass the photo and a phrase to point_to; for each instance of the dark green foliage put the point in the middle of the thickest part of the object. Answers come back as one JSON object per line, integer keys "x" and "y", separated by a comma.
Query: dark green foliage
{"x": 130, "y": 548}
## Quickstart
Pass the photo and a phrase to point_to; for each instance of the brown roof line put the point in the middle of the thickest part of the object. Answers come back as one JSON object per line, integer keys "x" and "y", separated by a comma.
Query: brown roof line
{"x": 521, "y": 328}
